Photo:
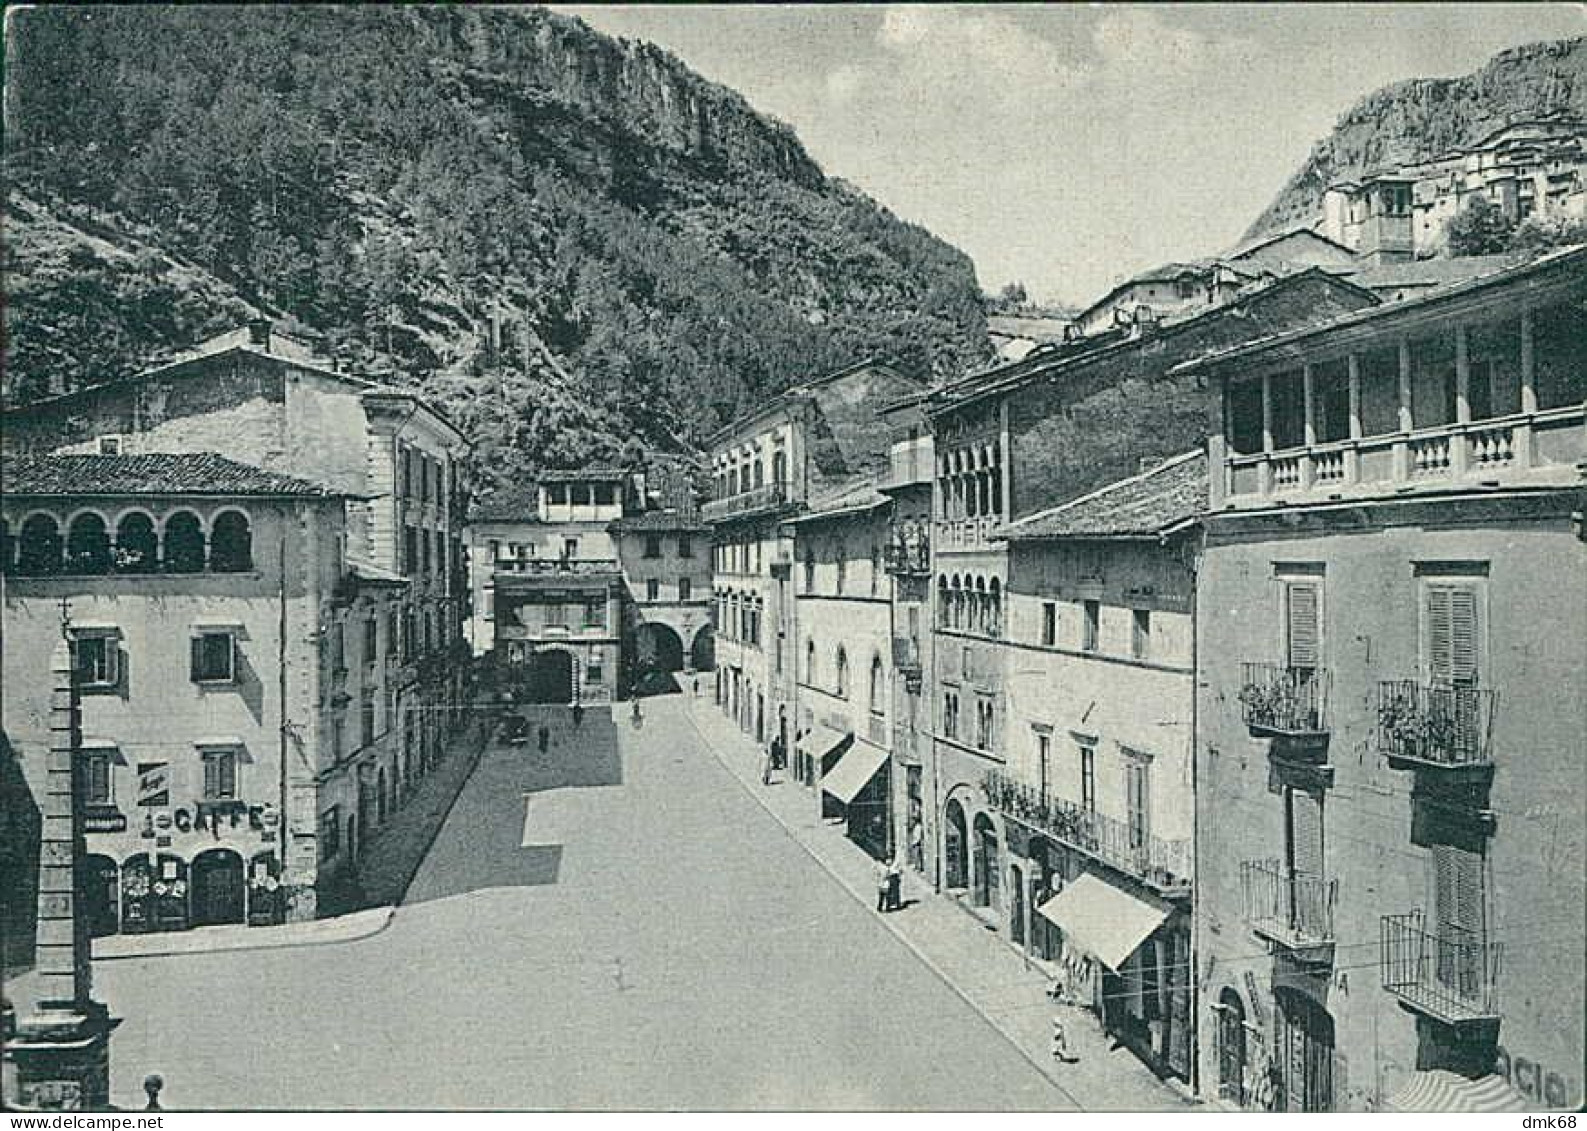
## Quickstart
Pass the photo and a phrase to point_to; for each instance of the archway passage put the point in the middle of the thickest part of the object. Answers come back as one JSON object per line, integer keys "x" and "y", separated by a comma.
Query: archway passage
{"x": 702, "y": 652}
{"x": 987, "y": 865}
{"x": 217, "y": 888}
{"x": 1231, "y": 1047}
{"x": 658, "y": 653}
{"x": 102, "y": 895}
{"x": 956, "y": 848}
{"x": 549, "y": 678}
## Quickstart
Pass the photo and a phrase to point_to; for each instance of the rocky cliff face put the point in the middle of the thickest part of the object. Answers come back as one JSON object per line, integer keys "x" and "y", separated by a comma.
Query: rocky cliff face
{"x": 575, "y": 242}
{"x": 1422, "y": 118}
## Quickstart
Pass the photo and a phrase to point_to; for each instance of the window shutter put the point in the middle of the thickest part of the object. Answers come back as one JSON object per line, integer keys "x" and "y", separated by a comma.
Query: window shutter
{"x": 1304, "y": 630}
{"x": 1463, "y": 636}
{"x": 1457, "y": 891}
{"x": 1306, "y": 833}
{"x": 196, "y": 659}
{"x": 1440, "y": 645}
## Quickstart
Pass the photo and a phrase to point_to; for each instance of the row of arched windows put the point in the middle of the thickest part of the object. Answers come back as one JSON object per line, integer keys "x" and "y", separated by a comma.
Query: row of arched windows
{"x": 136, "y": 544}
{"x": 970, "y": 604}
{"x": 840, "y": 685}
{"x": 735, "y": 476}
{"x": 971, "y": 482}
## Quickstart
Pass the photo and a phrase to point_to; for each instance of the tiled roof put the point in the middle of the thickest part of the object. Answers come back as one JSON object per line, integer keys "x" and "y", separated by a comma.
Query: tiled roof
{"x": 854, "y": 497}
{"x": 1432, "y": 272}
{"x": 663, "y": 518}
{"x": 1153, "y": 502}
{"x": 185, "y": 473}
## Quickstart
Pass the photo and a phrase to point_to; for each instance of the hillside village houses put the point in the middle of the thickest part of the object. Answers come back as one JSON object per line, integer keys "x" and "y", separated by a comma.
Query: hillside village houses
{"x": 315, "y": 571}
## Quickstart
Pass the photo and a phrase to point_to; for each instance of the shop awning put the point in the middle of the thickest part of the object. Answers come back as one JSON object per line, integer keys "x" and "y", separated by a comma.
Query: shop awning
{"x": 1437, "y": 1090}
{"x": 854, "y": 771}
{"x": 1107, "y": 923}
{"x": 821, "y": 740}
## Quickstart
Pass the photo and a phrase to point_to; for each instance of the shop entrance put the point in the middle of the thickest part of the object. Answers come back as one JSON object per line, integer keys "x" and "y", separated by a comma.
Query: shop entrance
{"x": 956, "y": 846}
{"x": 550, "y": 677}
{"x": 102, "y": 896}
{"x": 217, "y": 888}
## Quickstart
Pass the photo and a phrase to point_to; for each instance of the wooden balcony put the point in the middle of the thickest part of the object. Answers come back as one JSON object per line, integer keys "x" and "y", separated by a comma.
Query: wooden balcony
{"x": 908, "y": 549}
{"x": 1446, "y": 974}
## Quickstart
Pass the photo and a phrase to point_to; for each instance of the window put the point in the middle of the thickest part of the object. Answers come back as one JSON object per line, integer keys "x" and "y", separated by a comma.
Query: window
{"x": 214, "y": 657}
{"x": 1303, "y": 832}
{"x": 685, "y": 546}
{"x": 810, "y": 570}
{"x": 231, "y": 544}
{"x": 110, "y": 445}
{"x": 1450, "y": 634}
{"x": 338, "y": 736}
{"x": 1458, "y": 910}
{"x": 1043, "y": 761}
{"x": 1137, "y": 801}
{"x": 220, "y": 775}
{"x": 878, "y": 687}
{"x": 950, "y": 714}
{"x": 556, "y": 613}
{"x": 876, "y": 567}
{"x": 1141, "y": 634}
{"x": 488, "y": 604}
{"x": 652, "y": 589}
{"x": 684, "y": 591}
{"x": 810, "y": 662}
{"x": 983, "y": 724}
{"x": 594, "y": 673}
{"x": 1093, "y": 614}
{"x": 97, "y": 654}
{"x": 1088, "y": 777}
{"x": 98, "y": 782}
{"x": 371, "y": 640}
{"x": 1049, "y": 623}
{"x": 843, "y": 566}
{"x": 410, "y": 549}
{"x": 366, "y": 718}
{"x": 570, "y": 549}
{"x": 594, "y": 612}
{"x": 652, "y": 545}
{"x": 842, "y": 684}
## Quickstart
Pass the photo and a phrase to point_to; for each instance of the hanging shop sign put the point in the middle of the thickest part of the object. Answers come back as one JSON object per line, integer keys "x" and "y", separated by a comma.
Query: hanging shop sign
{"x": 154, "y": 784}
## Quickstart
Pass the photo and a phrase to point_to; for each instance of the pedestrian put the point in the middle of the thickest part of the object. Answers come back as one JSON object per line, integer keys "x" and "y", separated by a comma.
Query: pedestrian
{"x": 895, "y": 884}
{"x": 696, "y": 687}
{"x": 578, "y": 715}
{"x": 545, "y": 737}
{"x": 1060, "y": 1043}
{"x": 882, "y": 886}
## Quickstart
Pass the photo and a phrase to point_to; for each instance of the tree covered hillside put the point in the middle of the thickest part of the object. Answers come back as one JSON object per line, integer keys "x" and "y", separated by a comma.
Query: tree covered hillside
{"x": 574, "y": 241}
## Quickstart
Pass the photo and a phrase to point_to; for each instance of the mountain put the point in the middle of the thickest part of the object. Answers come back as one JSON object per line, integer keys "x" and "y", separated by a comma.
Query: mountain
{"x": 575, "y": 242}
{"x": 1420, "y": 119}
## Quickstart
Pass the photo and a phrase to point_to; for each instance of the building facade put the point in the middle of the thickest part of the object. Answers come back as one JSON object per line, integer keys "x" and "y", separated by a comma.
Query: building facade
{"x": 1392, "y": 653}
{"x": 843, "y": 705}
{"x": 764, "y": 467}
{"x": 1095, "y": 785}
{"x": 196, "y": 593}
{"x": 664, "y": 552}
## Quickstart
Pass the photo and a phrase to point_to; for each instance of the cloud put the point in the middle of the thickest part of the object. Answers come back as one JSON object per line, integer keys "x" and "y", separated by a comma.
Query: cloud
{"x": 1138, "y": 45}
{"x": 938, "y": 48}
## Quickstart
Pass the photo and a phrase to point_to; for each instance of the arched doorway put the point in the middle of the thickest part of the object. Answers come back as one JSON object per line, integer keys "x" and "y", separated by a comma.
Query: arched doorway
{"x": 137, "y": 895}
{"x": 1231, "y": 1047}
{"x": 170, "y": 894}
{"x": 101, "y": 895}
{"x": 217, "y": 888}
{"x": 957, "y": 845}
{"x": 658, "y": 647}
{"x": 702, "y": 652}
{"x": 550, "y": 677}
{"x": 987, "y": 865}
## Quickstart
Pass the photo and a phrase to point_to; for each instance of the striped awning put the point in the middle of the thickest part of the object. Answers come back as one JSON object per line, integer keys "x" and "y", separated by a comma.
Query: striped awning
{"x": 1437, "y": 1090}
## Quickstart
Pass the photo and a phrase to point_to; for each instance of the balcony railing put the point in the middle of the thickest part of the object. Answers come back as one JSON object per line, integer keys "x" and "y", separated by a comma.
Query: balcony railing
{"x": 765, "y": 497}
{"x": 1276, "y": 699}
{"x": 557, "y": 567}
{"x": 1294, "y": 910}
{"x": 1514, "y": 445}
{"x": 1441, "y": 727}
{"x": 908, "y": 549}
{"x": 1446, "y": 973}
{"x": 1163, "y": 864}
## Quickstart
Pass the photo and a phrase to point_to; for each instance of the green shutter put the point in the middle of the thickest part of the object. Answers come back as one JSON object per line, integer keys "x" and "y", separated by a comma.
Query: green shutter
{"x": 1440, "y": 646}
{"x": 1306, "y": 833}
{"x": 1457, "y": 891}
{"x": 1463, "y": 636}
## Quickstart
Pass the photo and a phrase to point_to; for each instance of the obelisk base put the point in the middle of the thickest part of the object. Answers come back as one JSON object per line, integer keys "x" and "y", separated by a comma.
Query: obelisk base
{"x": 61, "y": 1054}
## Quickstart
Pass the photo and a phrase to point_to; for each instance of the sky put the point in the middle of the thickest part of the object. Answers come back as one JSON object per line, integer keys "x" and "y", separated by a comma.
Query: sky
{"x": 1068, "y": 146}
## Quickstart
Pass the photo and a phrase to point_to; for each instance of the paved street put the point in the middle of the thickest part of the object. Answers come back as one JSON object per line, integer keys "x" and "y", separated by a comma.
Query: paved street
{"x": 615, "y": 925}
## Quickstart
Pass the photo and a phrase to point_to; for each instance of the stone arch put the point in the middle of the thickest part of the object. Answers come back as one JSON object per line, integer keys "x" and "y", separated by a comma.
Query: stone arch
{"x": 702, "y": 649}
{"x": 182, "y": 543}
{"x": 137, "y": 543}
{"x": 40, "y": 547}
{"x": 88, "y": 543}
{"x": 956, "y": 844}
{"x": 942, "y": 600}
{"x": 878, "y": 685}
{"x": 987, "y": 860}
{"x": 231, "y": 542}
{"x": 658, "y": 647}
{"x": 978, "y": 620}
{"x": 994, "y": 611}
{"x": 1231, "y": 1046}
{"x": 840, "y": 681}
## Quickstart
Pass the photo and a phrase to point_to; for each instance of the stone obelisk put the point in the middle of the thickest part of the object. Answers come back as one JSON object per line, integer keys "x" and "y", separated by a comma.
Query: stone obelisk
{"x": 62, "y": 1050}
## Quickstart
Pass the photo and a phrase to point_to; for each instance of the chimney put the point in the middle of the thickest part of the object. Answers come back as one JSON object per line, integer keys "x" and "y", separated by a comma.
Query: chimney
{"x": 259, "y": 333}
